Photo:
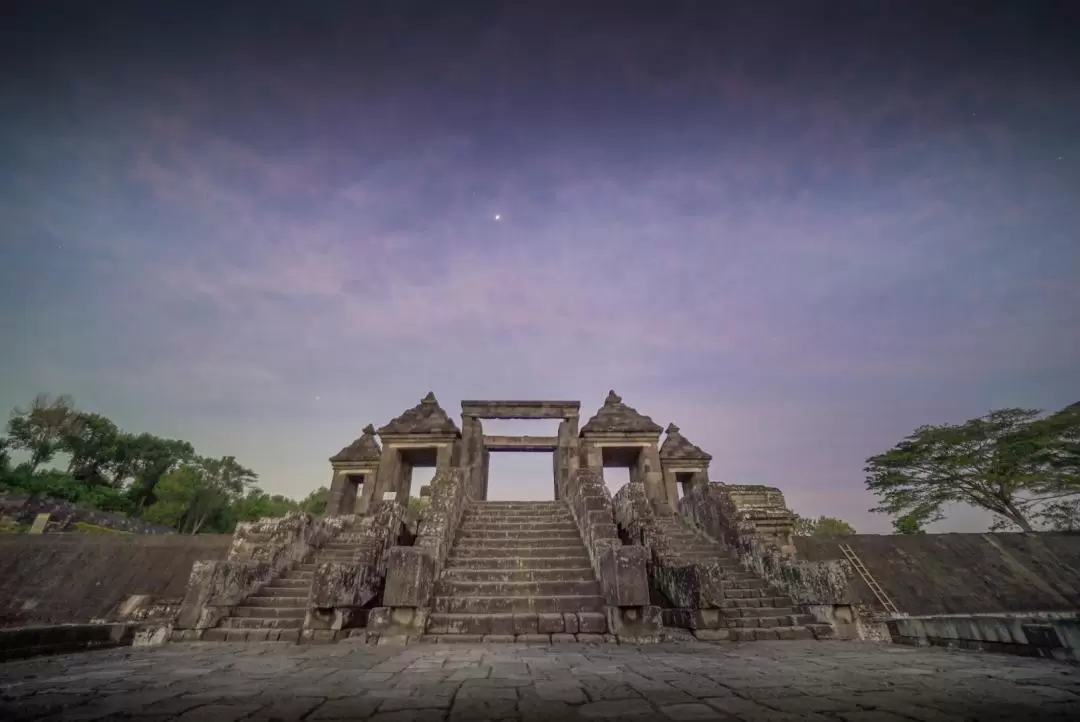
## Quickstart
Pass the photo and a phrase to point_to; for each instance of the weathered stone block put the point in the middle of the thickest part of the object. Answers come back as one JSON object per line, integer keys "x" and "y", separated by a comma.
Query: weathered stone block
{"x": 712, "y": 635}
{"x": 592, "y": 623}
{"x": 533, "y": 638}
{"x": 410, "y": 577}
{"x": 215, "y": 586}
{"x": 502, "y": 624}
{"x": 550, "y": 624}
{"x": 622, "y": 572}
{"x": 526, "y": 624}
{"x": 379, "y": 619}
{"x": 639, "y": 625}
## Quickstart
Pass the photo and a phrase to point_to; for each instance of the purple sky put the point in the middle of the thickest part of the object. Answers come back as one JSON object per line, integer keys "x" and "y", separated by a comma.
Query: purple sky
{"x": 796, "y": 233}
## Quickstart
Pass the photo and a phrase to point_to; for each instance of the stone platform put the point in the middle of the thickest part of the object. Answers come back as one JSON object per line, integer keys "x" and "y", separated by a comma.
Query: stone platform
{"x": 769, "y": 681}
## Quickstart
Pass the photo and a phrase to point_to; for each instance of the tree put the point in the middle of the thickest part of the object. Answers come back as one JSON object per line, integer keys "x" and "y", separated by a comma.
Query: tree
{"x": 257, "y": 504}
{"x": 5, "y": 457}
{"x": 40, "y": 428}
{"x": 823, "y": 526}
{"x": 908, "y": 524}
{"x": 93, "y": 443}
{"x": 315, "y": 502}
{"x": 146, "y": 459}
{"x": 199, "y": 491}
{"x": 1010, "y": 462}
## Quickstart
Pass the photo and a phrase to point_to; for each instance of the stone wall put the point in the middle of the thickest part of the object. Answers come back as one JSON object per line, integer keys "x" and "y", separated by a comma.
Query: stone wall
{"x": 931, "y": 574}
{"x": 1056, "y": 637}
{"x": 63, "y": 515}
{"x": 76, "y": 578}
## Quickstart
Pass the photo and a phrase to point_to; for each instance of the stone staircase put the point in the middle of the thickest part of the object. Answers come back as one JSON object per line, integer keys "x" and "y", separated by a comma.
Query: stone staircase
{"x": 753, "y": 609}
{"x": 517, "y": 570}
{"x": 277, "y": 611}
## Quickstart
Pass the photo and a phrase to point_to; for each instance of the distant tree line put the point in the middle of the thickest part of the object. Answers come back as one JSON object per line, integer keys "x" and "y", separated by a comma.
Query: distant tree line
{"x": 163, "y": 481}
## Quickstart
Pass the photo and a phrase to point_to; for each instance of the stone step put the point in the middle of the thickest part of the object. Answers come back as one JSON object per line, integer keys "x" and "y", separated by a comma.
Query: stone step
{"x": 489, "y": 508}
{"x": 474, "y": 561}
{"x": 511, "y": 624}
{"x": 563, "y": 574}
{"x": 516, "y": 524}
{"x": 577, "y": 554}
{"x": 261, "y": 623}
{"x": 746, "y": 612}
{"x": 504, "y": 525}
{"x": 565, "y": 535}
{"x": 546, "y": 503}
{"x": 260, "y": 599}
{"x": 578, "y": 587}
{"x": 762, "y": 634}
{"x": 469, "y": 543}
{"x": 783, "y": 620}
{"x": 492, "y": 605}
{"x": 769, "y": 602}
{"x": 731, "y": 595}
{"x": 518, "y": 519}
{"x": 288, "y": 583}
{"x": 247, "y": 610}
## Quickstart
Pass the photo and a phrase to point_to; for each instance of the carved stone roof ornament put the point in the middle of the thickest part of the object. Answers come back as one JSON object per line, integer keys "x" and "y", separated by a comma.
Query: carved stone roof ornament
{"x": 366, "y": 448}
{"x": 427, "y": 417}
{"x": 615, "y": 416}
{"x": 678, "y": 448}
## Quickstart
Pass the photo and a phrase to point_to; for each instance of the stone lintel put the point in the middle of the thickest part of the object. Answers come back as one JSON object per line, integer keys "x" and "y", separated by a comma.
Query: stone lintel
{"x": 684, "y": 467}
{"x": 357, "y": 466}
{"x": 521, "y": 443}
{"x": 521, "y": 409}
{"x": 417, "y": 441}
{"x": 620, "y": 438}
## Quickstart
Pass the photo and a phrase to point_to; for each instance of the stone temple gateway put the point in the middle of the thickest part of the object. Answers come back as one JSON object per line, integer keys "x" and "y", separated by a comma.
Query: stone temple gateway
{"x": 671, "y": 555}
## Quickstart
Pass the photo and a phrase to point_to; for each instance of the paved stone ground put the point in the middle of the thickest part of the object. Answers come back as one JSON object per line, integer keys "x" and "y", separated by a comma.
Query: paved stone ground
{"x": 818, "y": 681}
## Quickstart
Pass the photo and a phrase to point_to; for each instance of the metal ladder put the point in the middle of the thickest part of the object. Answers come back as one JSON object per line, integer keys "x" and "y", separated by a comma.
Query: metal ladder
{"x": 869, "y": 579}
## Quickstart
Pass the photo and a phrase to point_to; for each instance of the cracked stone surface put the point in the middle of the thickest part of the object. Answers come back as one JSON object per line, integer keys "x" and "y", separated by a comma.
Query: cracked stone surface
{"x": 769, "y": 681}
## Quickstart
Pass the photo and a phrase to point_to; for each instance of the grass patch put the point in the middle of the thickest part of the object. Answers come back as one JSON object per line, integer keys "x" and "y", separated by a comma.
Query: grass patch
{"x": 85, "y": 528}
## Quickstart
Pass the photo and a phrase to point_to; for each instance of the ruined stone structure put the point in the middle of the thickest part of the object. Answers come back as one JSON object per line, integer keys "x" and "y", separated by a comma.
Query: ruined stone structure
{"x": 671, "y": 554}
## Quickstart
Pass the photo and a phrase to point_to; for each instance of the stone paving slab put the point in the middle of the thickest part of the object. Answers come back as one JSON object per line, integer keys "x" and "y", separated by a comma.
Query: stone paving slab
{"x": 766, "y": 681}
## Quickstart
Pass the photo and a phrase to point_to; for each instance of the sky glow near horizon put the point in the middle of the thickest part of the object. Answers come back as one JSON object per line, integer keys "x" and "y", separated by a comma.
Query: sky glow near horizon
{"x": 796, "y": 234}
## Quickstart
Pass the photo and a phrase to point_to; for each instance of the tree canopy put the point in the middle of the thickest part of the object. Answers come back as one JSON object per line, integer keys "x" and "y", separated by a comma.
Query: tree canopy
{"x": 1020, "y": 464}
{"x": 823, "y": 526}
{"x": 157, "y": 479}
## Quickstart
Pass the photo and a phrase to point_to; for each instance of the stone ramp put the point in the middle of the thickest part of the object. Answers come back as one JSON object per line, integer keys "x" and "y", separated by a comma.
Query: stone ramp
{"x": 517, "y": 568}
{"x": 752, "y": 609}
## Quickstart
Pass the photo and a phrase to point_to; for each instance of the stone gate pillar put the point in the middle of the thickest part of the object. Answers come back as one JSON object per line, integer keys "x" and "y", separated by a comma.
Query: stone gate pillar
{"x": 422, "y": 436}
{"x": 682, "y": 463}
{"x": 627, "y": 437}
{"x": 355, "y": 468}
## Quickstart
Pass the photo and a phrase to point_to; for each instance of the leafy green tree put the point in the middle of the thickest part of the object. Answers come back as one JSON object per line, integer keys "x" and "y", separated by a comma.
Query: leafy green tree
{"x": 146, "y": 459}
{"x": 908, "y": 524}
{"x": 315, "y": 502}
{"x": 257, "y": 504}
{"x": 1011, "y": 462}
{"x": 93, "y": 445}
{"x": 5, "y": 458}
{"x": 823, "y": 526}
{"x": 177, "y": 492}
{"x": 40, "y": 428}
{"x": 199, "y": 492}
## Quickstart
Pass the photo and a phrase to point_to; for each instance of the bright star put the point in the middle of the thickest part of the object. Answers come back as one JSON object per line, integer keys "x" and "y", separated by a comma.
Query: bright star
{"x": 498, "y": 216}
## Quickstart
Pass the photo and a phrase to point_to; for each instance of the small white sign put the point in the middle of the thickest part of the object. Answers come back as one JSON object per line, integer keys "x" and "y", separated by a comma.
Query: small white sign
{"x": 389, "y": 495}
